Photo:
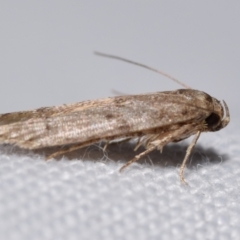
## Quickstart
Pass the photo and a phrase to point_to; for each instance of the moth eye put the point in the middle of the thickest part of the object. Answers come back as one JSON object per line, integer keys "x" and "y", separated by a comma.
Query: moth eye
{"x": 212, "y": 120}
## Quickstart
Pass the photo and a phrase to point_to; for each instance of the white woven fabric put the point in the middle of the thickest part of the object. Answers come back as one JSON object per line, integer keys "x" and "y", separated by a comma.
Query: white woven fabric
{"x": 75, "y": 199}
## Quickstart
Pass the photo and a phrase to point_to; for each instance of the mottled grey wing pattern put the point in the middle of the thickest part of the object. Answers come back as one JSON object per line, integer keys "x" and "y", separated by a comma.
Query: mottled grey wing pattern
{"x": 101, "y": 119}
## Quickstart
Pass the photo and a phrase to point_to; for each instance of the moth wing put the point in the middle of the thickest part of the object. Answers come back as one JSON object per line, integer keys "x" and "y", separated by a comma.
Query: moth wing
{"x": 101, "y": 119}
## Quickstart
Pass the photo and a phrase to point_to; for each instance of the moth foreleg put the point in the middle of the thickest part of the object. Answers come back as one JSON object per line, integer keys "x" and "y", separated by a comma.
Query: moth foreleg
{"x": 188, "y": 152}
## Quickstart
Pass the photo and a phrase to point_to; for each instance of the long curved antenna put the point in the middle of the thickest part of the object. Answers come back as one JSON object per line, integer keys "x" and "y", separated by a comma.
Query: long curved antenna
{"x": 142, "y": 65}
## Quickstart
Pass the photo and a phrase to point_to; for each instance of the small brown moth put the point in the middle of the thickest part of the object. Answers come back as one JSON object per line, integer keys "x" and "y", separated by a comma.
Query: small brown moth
{"x": 155, "y": 119}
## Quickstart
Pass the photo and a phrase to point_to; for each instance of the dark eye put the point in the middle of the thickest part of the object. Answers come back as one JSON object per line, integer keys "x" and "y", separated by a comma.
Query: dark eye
{"x": 212, "y": 120}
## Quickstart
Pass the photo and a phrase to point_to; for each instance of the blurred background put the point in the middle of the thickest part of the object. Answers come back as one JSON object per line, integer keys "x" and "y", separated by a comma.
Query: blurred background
{"x": 47, "y": 49}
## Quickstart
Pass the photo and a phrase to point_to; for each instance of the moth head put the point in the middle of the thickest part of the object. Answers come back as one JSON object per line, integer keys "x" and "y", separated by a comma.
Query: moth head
{"x": 219, "y": 116}
{"x": 217, "y": 120}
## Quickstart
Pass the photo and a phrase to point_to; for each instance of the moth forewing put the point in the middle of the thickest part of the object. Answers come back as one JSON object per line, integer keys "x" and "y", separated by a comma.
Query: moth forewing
{"x": 111, "y": 118}
{"x": 155, "y": 119}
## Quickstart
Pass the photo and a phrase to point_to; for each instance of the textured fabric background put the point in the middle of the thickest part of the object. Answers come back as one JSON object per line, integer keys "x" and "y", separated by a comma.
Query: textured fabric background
{"x": 89, "y": 199}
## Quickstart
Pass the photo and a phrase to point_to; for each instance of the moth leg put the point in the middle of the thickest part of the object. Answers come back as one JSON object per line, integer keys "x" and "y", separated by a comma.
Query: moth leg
{"x": 119, "y": 141}
{"x": 105, "y": 146}
{"x": 188, "y": 152}
{"x": 136, "y": 158}
{"x": 139, "y": 143}
{"x": 69, "y": 149}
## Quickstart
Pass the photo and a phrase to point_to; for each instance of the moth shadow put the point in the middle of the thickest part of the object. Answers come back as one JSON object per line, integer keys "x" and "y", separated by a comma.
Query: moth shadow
{"x": 171, "y": 156}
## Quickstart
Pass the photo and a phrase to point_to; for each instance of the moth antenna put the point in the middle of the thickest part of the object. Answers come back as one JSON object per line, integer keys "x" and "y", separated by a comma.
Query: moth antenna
{"x": 142, "y": 65}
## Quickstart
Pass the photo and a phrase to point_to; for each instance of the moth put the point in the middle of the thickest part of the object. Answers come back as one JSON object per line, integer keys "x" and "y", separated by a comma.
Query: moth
{"x": 154, "y": 119}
